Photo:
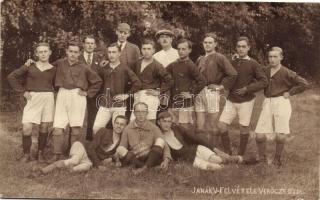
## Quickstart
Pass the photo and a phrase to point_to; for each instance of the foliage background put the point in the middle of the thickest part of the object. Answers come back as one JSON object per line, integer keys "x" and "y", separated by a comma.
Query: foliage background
{"x": 294, "y": 27}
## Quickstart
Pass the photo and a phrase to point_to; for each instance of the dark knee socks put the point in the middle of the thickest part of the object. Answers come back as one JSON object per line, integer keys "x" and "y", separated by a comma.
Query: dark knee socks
{"x": 154, "y": 157}
{"x": 262, "y": 145}
{"x": 279, "y": 149}
{"x": 225, "y": 139}
{"x": 243, "y": 143}
{"x": 42, "y": 140}
{"x": 26, "y": 144}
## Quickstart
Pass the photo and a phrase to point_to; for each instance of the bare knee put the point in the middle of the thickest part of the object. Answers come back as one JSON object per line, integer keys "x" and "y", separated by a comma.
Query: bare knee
{"x": 281, "y": 137}
{"x": 223, "y": 127}
{"x": 27, "y": 129}
{"x": 57, "y": 131}
{"x": 244, "y": 129}
{"x": 44, "y": 126}
{"x": 260, "y": 137}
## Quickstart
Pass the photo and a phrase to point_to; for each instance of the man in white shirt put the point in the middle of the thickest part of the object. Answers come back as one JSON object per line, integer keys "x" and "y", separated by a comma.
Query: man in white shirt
{"x": 168, "y": 54}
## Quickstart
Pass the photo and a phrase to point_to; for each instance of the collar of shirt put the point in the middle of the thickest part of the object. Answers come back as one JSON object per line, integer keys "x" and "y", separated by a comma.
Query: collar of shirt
{"x": 43, "y": 67}
{"x": 273, "y": 71}
{"x": 208, "y": 54}
{"x": 71, "y": 65}
{"x": 236, "y": 56}
{"x": 145, "y": 126}
{"x": 184, "y": 60}
{"x": 113, "y": 66}
{"x": 123, "y": 44}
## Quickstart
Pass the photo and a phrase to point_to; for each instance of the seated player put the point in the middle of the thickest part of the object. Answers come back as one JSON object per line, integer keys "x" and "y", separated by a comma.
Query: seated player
{"x": 142, "y": 144}
{"x": 185, "y": 145}
{"x": 98, "y": 153}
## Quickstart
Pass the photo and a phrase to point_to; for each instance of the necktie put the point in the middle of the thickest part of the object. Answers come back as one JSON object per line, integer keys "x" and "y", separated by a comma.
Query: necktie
{"x": 120, "y": 46}
{"x": 89, "y": 59}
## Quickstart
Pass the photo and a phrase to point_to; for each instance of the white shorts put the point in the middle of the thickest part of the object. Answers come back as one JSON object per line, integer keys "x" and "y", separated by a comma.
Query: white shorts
{"x": 207, "y": 101}
{"x": 78, "y": 158}
{"x": 104, "y": 115}
{"x": 182, "y": 115}
{"x": 40, "y": 108}
{"x": 70, "y": 108}
{"x": 153, "y": 103}
{"x": 201, "y": 159}
{"x": 277, "y": 110}
{"x": 243, "y": 110}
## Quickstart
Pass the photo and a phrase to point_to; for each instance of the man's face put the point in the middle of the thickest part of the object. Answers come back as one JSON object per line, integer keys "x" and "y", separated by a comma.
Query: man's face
{"x": 165, "y": 41}
{"x": 141, "y": 112}
{"x": 119, "y": 125}
{"x": 43, "y": 53}
{"x": 89, "y": 45}
{"x": 242, "y": 48}
{"x": 147, "y": 51}
{"x": 165, "y": 124}
{"x": 274, "y": 58}
{"x": 113, "y": 54}
{"x": 184, "y": 50}
{"x": 209, "y": 44}
{"x": 73, "y": 53}
{"x": 122, "y": 35}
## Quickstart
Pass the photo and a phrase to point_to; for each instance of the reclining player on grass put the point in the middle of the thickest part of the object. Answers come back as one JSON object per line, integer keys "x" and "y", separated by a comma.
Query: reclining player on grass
{"x": 187, "y": 146}
{"x": 98, "y": 153}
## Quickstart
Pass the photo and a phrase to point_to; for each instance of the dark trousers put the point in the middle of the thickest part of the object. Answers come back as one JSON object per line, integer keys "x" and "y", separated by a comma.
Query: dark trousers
{"x": 92, "y": 110}
{"x": 154, "y": 158}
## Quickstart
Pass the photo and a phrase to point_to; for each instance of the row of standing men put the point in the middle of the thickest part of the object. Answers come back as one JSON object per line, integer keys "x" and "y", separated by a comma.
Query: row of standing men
{"x": 166, "y": 79}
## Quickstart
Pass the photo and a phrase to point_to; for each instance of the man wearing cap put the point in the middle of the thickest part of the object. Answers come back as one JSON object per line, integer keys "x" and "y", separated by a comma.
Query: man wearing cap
{"x": 168, "y": 54}
{"x": 130, "y": 53}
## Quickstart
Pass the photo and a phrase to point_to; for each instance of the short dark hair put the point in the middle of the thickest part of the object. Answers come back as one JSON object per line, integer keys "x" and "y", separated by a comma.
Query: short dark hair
{"x": 88, "y": 37}
{"x": 164, "y": 114}
{"x": 39, "y": 44}
{"x": 115, "y": 45}
{"x": 74, "y": 43}
{"x": 148, "y": 41}
{"x": 121, "y": 117}
{"x": 275, "y": 48}
{"x": 184, "y": 40}
{"x": 212, "y": 35}
{"x": 243, "y": 38}
{"x": 140, "y": 103}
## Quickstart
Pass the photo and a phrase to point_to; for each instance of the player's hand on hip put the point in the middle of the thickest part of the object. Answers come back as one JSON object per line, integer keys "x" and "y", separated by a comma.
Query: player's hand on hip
{"x": 121, "y": 97}
{"x": 186, "y": 95}
{"x": 241, "y": 91}
{"x": 29, "y": 62}
{"x": 215, "y": 87}
{"x": 286, "y": 95}
{"x": 82, "y": 93}
{"x": 27, "y": 95}
{"x": 103, "y": 63}
{"x": 152, "y": 92}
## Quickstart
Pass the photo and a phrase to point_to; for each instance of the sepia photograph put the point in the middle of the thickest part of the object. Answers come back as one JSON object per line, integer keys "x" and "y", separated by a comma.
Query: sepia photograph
{"x": 159, "y": 100}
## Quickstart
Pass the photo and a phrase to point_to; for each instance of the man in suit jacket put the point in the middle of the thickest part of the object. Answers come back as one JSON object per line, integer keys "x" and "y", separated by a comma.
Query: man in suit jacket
{"x": 93, "y": 60}
{"x": 130, "y": 53}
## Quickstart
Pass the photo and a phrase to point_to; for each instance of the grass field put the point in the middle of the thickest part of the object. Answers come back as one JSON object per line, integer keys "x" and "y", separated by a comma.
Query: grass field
{"x": 298, "y": 179}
